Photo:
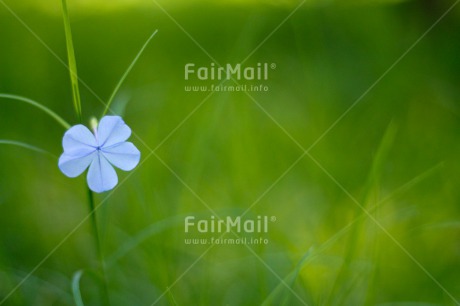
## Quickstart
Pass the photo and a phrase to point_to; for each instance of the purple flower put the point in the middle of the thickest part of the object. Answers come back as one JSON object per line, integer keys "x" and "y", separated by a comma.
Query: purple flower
{"x": 100, "y": 151}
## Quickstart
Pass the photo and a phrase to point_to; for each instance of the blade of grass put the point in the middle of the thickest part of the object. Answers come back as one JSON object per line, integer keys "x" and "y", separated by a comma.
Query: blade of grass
{"x": 172, "y": 300}
{"x": 77, "y": 106}
{"x": 39, "y": 106}
{"x": 401, "y": 190}
{"x": 310, "y": 256}
{"x": 25, "y": 145}
{"x": 143, "y": 235}
{"x": 120, "y": 82}
{"x": 314, "y": 253}
{"x": 289, "y": 279}
{"x": 407, "y": 186}
{"x": 76, "y": 288}
{"x": 72, "y": 62}
{"x": 97, "y": 238}
{"x": 119, "y": 103}
{"x": 380, "y": 157}
{"x": 358, "y": 232}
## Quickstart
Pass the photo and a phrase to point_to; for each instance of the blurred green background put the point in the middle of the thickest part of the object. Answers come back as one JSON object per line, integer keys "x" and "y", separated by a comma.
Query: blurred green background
{"x": 396, "y": 153}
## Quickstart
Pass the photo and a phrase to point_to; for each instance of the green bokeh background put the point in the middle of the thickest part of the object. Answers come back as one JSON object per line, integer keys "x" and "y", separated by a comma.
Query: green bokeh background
{"x": 395, "y": 153}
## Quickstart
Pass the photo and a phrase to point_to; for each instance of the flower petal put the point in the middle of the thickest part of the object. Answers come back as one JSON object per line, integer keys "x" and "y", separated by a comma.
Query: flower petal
{"x": 124, "y": 155}
{"x": 78, "y": 138}
{"x": 112, "y": 130}
{"x": 74, "y": 165}
{"x": 101, "y": 175}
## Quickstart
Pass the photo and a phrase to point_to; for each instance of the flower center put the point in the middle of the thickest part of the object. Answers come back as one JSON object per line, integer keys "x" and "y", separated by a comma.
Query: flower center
{"x": 98, "y": 148}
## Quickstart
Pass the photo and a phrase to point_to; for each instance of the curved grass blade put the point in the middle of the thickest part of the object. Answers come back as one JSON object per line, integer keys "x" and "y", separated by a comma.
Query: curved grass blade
{"x": 371, "y": 195}
{"x": 119, "y": 103}
{"x": 38, "y": 105}
{"x": 143, "y": 235}
{"x": 309, "y": 256}
{"x": 76, "y": 288}
{"x": 120, "y": 82}
{"x": 289, "y": 280}
{"x": 25, "y": 145}
{"x": 72, "y": 61}
{"x": 36, "y": 282}
{"x": 380, "y": 158}
{"x": 313, "y": 253}
{"x": 407, "y": 186}
{"x": 172, "y": 300}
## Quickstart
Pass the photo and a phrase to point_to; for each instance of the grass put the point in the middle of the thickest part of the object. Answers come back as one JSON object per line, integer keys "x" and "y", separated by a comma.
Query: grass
{"x": 39, "y": 106}
{"x": 396, "y": 153}
{"x": 72, "y": 62}
{"x": 118, "y": 86}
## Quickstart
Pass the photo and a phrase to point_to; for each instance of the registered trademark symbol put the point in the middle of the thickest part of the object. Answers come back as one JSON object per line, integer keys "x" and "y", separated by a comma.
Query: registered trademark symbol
{"x": 273, "y": 66}
{"x": 272, "y": 218}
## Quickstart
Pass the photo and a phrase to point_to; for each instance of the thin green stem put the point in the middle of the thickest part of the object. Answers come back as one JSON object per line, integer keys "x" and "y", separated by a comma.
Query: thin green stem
{"x": 76, "y": 288}
{"x": 100, "y": 252}
{"x": 39, "y": 106}
{"x": 26, "y": 146}
{"x": 120, "y": 82}
{"x": 77, "y": 106}
{"x": 72, "y": 62}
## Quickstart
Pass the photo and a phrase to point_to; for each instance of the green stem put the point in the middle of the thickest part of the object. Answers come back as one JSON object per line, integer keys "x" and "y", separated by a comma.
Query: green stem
{"x": 25, "y": 145}
{"x": 120, "y": 82}
{"x": 100, "y": 253}
{"x": 39, "y": 106}
{"x": 72, "y": 62}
